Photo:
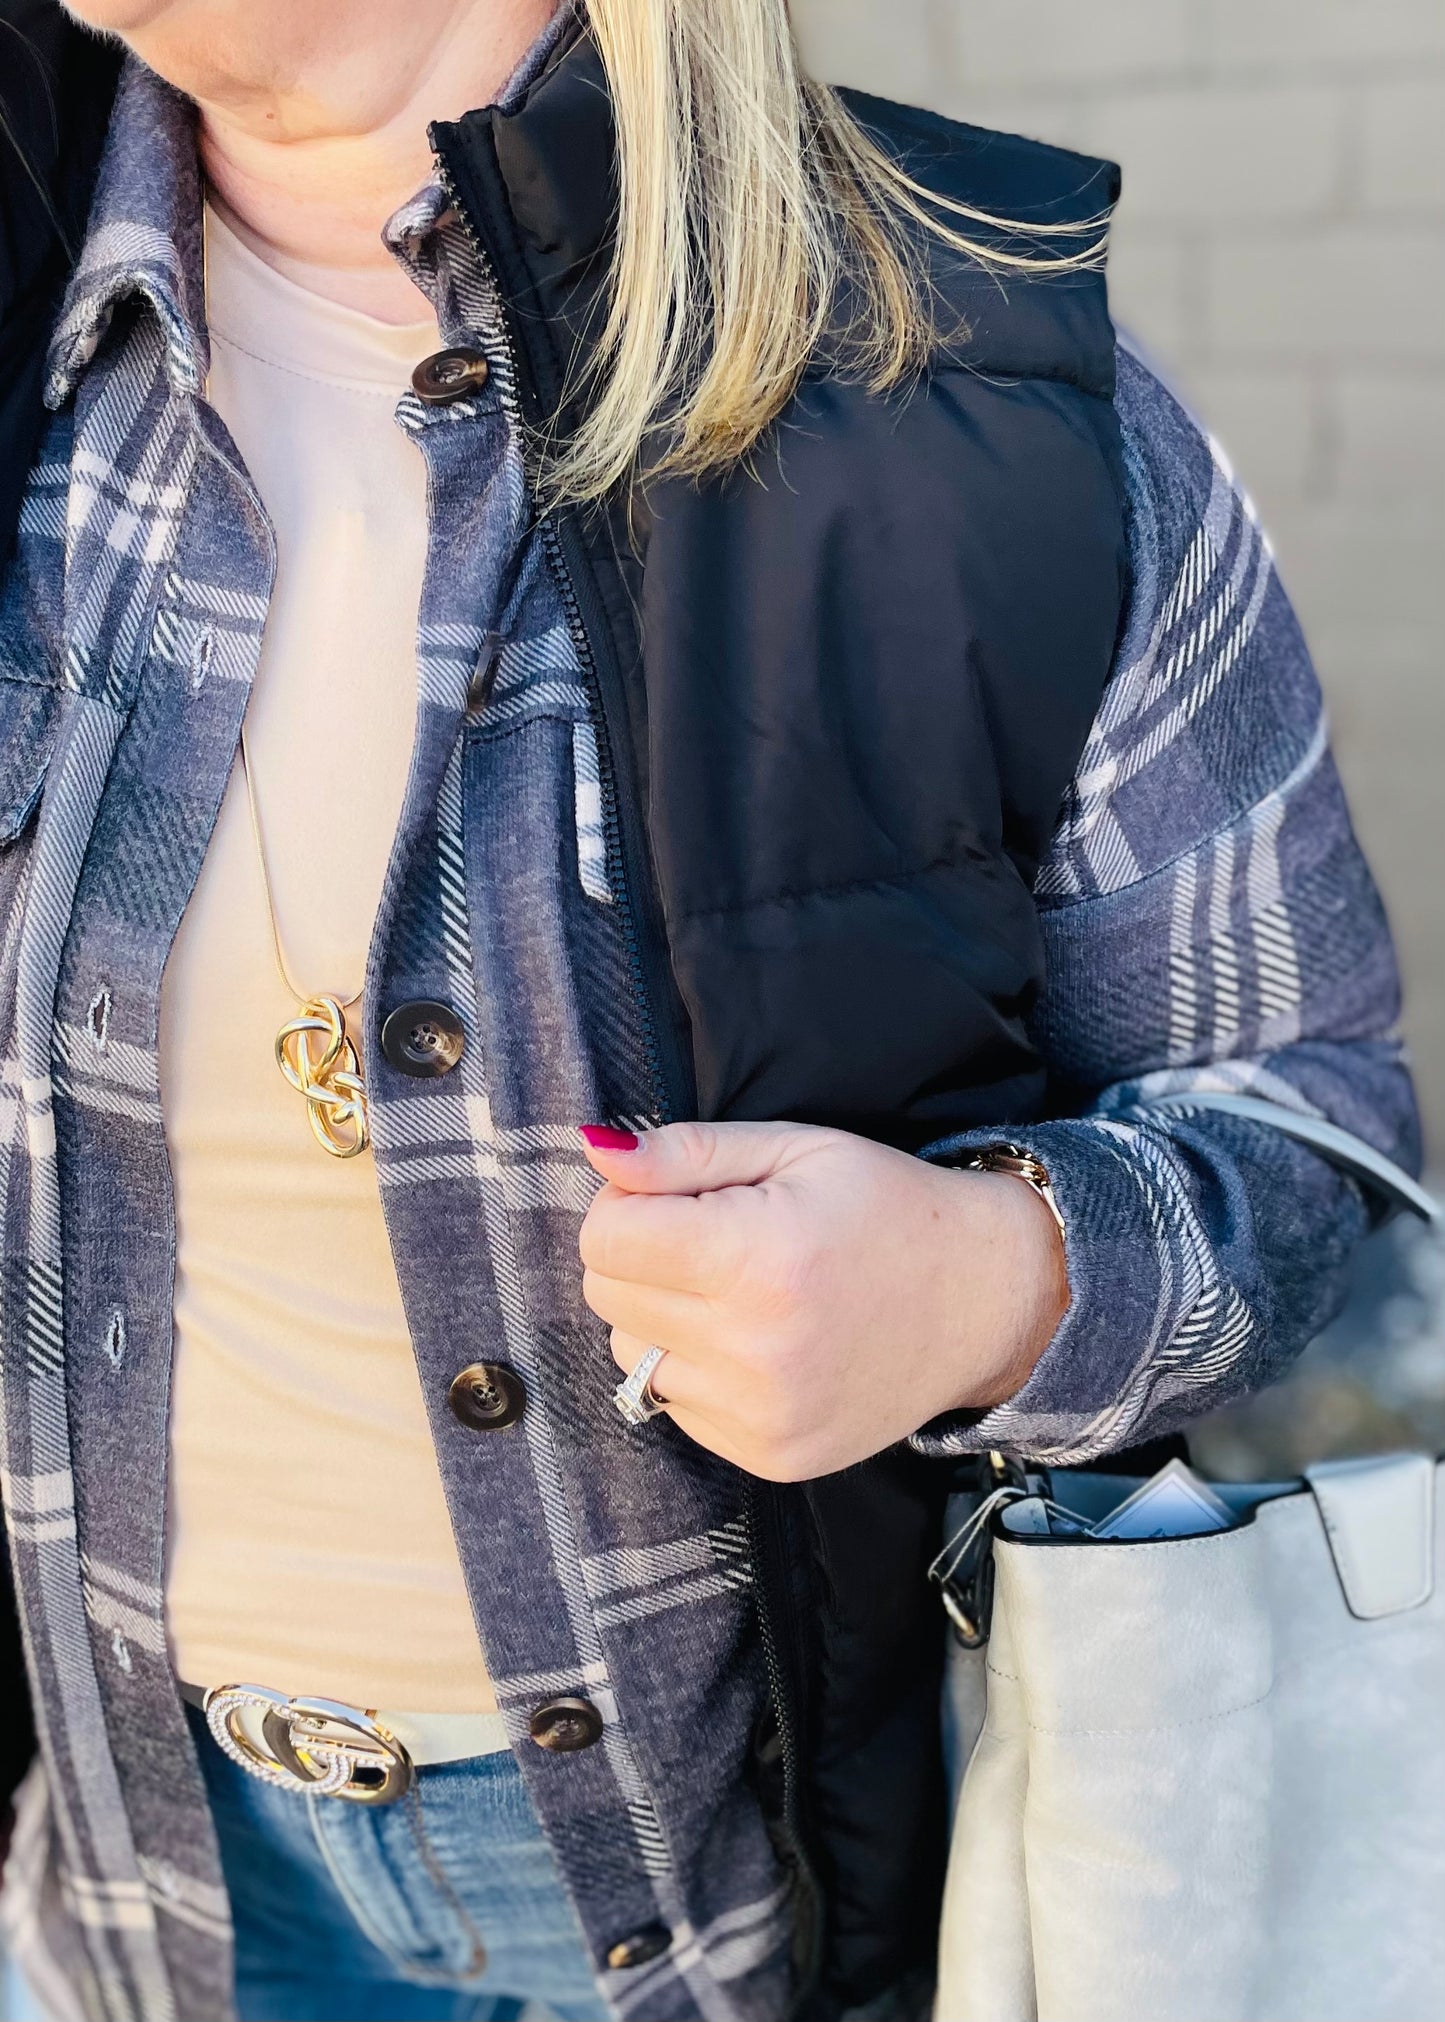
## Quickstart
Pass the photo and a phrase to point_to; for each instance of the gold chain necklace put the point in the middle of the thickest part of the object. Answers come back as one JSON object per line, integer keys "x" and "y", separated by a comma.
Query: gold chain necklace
{"x": 314, "y": 1050}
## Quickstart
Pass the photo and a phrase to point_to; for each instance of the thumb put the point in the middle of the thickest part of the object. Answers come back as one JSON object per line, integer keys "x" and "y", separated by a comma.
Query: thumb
{"x": 689, "y": 1158}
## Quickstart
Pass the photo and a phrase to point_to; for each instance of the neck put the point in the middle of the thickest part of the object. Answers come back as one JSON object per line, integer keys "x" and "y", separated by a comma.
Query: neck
{"x": 308, "y": 170}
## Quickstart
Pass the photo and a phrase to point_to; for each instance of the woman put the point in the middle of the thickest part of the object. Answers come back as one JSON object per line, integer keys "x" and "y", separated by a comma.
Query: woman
{"x": 852, "y": 708}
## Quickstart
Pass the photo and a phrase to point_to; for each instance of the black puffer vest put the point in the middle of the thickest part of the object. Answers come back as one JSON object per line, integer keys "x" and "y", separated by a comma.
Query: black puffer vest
{"x": 843, "y": 693}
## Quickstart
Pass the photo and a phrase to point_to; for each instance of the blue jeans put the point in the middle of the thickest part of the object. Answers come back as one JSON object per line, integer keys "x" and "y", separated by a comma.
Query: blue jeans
{"x": 443, "y": 1907}
{"x": 356, "y": 1913}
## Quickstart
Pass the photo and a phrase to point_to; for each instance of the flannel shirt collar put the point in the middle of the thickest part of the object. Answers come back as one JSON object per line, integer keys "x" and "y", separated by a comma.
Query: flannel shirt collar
{"x": 144, "y": 233}
{"x": 143, "y": 239}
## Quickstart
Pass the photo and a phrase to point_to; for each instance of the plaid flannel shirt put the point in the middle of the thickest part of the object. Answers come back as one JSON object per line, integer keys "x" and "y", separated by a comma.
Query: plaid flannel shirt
{"x": 1209, "y": 922}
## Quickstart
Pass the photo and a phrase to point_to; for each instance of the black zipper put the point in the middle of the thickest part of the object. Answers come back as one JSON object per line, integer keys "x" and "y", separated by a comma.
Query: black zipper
{"x": 780, "y": 1640}
{"x": 777, "y": 1627}
{"x": 665, "y": 1069}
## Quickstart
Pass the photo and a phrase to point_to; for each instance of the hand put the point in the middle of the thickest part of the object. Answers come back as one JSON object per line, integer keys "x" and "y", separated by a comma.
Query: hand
{"x": 820, "y": 1297}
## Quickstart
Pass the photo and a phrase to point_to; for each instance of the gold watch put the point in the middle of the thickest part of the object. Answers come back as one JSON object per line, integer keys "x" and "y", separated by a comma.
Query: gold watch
{"x": 1012, "y": 1158}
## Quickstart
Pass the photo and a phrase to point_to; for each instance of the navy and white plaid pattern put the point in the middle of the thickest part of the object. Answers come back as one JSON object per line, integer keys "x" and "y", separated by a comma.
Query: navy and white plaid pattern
{"x": 1209, "y": 922}
{"x": 1208, "y": 919}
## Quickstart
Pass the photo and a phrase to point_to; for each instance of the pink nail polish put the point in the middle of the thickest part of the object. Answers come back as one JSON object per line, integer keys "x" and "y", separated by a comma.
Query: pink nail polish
{"x": 602, "y": 1137}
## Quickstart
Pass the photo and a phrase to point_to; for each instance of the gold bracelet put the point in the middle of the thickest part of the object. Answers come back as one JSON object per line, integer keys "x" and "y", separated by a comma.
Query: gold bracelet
{"x": 1012, "y": 1158}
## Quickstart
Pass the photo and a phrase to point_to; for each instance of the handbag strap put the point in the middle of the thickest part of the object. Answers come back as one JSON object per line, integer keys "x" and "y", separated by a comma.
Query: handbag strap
{"x": 1341, "y": 1147}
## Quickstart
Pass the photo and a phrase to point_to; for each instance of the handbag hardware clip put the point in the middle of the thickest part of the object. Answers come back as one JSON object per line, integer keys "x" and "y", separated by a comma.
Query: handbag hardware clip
{"x": 963, "y": 1570}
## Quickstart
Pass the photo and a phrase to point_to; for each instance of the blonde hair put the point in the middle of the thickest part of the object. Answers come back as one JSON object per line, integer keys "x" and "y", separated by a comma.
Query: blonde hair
{"x": 750, "y": 199}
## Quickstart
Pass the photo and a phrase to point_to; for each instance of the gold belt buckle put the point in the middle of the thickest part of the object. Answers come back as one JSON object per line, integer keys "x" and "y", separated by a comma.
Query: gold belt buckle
{"x": 317, "y": 1746}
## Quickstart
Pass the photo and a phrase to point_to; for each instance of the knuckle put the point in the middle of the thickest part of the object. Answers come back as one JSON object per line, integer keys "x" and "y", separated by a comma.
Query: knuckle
{"x": 597, "y": 1242}
{"x": 606, "y": 1229}
{"x": 791, "y": 1422}
{"x": 786, "y": 1277}
{"x": 780, "y": 1413}
{"x": 716, "y": 1268}
{"x": 696, "y": 1144}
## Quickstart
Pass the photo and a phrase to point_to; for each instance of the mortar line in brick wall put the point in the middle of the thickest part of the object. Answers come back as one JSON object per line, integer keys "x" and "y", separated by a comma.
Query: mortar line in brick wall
{"x": 1325, "y": 455}
{"x": 1272, "y": 76}
{"x": 1197, "y": 323}
{"x": 1350, "y": 156}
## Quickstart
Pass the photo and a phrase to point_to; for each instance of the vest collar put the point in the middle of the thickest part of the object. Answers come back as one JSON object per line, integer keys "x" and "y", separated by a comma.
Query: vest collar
{"x": 536, "y": 181}
{"x": 557, "y": 149}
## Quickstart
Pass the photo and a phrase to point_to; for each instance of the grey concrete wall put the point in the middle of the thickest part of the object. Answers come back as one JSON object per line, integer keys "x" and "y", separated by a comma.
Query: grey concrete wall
{"x": 1281, "y": 248}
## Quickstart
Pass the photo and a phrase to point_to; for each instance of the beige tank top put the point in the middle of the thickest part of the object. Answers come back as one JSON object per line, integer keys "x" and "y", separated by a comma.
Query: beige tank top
{"x": 310, "y": 1548}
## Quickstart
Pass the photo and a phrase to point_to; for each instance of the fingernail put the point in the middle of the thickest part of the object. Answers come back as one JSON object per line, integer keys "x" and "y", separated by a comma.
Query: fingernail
{"x": 602, "y": 1137}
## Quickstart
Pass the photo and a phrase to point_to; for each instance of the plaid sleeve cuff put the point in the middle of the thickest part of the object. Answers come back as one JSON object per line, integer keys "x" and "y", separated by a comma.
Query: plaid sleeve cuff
{"x": 1156, "y": 1331}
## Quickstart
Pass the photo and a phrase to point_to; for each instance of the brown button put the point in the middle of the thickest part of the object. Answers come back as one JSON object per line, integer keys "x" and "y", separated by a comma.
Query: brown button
{"x": 449, "y": 375}
{"x": 564, "y": 1725}
{"x": 644, "y": 1945}
{"x": 484, "y": 674}
{"x": 423, "y": 1038}
{"x": 487, "y": 1396}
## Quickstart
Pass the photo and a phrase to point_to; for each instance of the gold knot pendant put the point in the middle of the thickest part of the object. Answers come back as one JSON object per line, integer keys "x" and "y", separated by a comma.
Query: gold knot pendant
{"x": 319, "y": 1061}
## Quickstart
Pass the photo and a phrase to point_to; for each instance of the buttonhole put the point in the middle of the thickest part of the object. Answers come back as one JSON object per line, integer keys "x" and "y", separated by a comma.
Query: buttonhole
{"x": 97, "y": 1019}
{"x": 201, "y": 654}
{"x": 115, "y": 1339}
{"x": 120, "y": 1649}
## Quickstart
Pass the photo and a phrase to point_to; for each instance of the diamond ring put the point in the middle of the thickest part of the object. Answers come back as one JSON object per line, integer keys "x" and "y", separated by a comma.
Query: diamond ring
{"x": 636, "y": 1399}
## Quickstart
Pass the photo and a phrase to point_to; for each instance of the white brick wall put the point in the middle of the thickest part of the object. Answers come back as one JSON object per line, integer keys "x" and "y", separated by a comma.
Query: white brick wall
{"x": 1281, "y": 249}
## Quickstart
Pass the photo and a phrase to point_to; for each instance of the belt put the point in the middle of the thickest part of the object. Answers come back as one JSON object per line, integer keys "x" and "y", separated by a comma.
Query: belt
{"x": 329, "y": 1749}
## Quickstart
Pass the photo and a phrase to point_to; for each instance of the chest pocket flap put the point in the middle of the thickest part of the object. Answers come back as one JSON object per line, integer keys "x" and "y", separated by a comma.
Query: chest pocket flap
{"x": 29, "y": 719}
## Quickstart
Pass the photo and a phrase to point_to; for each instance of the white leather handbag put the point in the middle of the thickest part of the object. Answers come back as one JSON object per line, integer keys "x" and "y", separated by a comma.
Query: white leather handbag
{"x": 1202, "y": 1779}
